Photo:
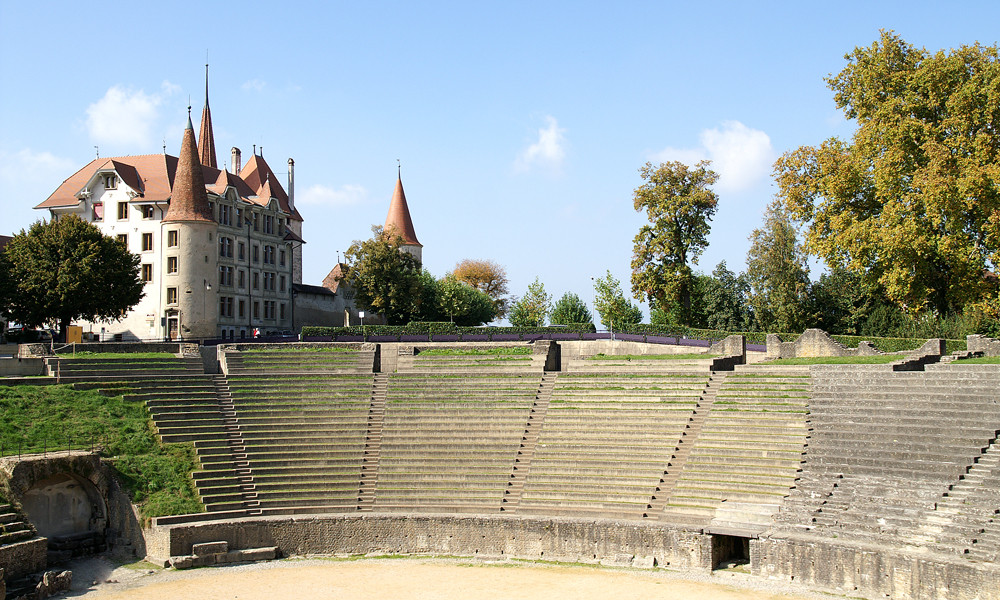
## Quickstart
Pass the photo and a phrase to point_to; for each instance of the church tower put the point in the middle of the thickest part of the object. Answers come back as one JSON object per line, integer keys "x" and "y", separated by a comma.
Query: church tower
{"x": 189, "y": 233}
{"x": 398, "y": 222}
{"x": 206, "y": 138}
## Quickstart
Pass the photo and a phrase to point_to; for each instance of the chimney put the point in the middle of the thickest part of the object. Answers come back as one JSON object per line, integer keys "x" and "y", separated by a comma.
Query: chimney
{"x": 237, "y": 163}
{"x": 291, "y": 184}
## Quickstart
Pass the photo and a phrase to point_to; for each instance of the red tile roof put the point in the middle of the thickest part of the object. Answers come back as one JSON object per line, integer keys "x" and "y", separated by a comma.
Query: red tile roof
{"x": 206, "y": 138}
{"x": 4, "y": 240}
{"x": 332, "y": 280}
{"x": 398, "y": 220}
{"x": 154, "y": 174}
{"x": 256, "y": 172}
{"x": 189, "y": 200}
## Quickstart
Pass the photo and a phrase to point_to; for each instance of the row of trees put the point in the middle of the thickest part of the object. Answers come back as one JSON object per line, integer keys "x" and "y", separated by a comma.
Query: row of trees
{"x": 905, "y": 215}
{"x": 614, "y": 310}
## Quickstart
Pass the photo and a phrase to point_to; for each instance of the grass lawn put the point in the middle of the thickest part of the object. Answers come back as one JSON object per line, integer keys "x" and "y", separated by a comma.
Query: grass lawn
{"x": 603, "y": 356}
{"x": 505, "y": 350}
{"x": 107, "y": 355}
{"x": 157, "y": 476}
{"x": 879, "y": 359}
{"x": 296, "y": 349}
{"x": 982, "y": 360}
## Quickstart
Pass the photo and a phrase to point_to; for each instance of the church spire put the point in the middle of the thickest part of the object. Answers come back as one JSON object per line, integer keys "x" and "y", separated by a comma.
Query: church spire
{"x": 188, "y": 198}
{"x": 398, "y": 220}
{"x": 206, "y": 139}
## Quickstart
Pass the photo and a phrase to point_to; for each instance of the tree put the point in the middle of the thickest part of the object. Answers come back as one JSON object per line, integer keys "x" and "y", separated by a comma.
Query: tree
{"x": 609, "y": 301}
{"x": 679, "y": 206}
{"x": 386, "y": 280}
{"x": 487, "y": 277}
{"x": 532, "y": 309}
{"x": 778, "y": 273}
{"x": 65, "y": 270}
{"x": 571, "y": 309}
{"x": 463, "y": 304}
{"x": 912, "y": 202}
{"x": 725, "y": 299}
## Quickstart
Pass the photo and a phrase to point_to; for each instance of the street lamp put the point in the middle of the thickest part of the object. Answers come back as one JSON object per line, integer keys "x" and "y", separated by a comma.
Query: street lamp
{"x": 361, "y": 315}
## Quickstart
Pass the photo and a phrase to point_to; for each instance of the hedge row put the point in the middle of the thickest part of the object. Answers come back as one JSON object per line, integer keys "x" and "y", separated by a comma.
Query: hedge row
{"x": 442, "y": 329}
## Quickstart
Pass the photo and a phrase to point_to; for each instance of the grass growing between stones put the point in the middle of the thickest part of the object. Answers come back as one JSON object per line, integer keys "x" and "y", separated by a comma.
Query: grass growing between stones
{"x": 505, "y": 350}
{"x": 982, "y": 360}
{"x": 156, "y": 476}
{"x": 689, "y": 356}
{"x": 294, "y": 349}
{"x": 879, "y": 359}
{"x": 110, "y": 355}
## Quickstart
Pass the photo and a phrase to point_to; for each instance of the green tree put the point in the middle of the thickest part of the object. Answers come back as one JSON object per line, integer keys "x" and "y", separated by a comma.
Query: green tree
{"x": 386, "y": 280}
{"x": 463, "y": 304}
{"x": 778, "y": 273}
{"x": 725, "y": 300}
{"x": 532, "y": 308}
{"x": 487, "y": 277}
{"x": 679, "y": 206}
{"x": 612, "y": 306}
{"x": 911, "y": 203}
{"x": 65, "y": 270}
{"x": 571, "y": 309}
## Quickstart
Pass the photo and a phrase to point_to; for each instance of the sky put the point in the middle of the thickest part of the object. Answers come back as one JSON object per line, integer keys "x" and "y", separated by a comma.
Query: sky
{"x": 519, "y": 127}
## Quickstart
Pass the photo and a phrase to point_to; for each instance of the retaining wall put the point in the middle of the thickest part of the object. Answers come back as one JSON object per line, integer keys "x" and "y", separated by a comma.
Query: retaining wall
{"x": 871, "y": 572}
{"x": 572, "y": 540}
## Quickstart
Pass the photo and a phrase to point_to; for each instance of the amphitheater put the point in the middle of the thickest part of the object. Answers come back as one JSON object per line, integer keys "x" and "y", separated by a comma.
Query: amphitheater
{"x": 864, "y": 480}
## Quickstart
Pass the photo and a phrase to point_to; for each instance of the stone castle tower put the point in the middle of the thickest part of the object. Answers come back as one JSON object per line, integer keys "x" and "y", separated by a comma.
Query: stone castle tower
{"x": 398, "y": 221}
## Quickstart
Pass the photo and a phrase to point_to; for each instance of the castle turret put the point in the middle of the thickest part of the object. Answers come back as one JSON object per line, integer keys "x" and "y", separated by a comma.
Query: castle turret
{"x": 206, "y": 138}
{"x": 189, "y": 237}
{"x": 398, "y": 222}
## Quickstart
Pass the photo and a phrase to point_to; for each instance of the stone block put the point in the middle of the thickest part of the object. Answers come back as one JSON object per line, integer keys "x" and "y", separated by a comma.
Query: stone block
{"x": 253, "y": 554}
{"x": 209, "y": 548}
{"x": 182, "y": 562}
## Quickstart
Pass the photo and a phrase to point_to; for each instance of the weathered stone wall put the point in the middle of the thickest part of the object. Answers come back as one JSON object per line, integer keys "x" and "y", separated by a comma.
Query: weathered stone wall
{"x": 19, "y": 367}
{"x": 873, "y": 572}
{"x": 616, "y": 542}
{"x": 980, "y": 343}
{"x": 23, "y": 558}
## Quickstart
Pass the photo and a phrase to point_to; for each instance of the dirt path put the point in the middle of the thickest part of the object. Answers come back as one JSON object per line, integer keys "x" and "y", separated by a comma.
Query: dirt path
{"x": 418, "y": 579}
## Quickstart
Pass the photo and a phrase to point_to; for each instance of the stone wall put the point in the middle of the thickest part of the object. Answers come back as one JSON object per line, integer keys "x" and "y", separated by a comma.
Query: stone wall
{"x": 813, "y": 343}
{"x": 23, "y": 558}
{"x": 19, "y": 367}
{"x": 573, "y": 540}
{"x": 44, "y": 349}
{"x": 980, "y": 343}
{"x": 873, "y": 571}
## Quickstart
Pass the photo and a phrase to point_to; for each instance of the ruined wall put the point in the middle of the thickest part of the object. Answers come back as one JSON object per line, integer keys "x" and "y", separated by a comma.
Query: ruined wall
{"x": 873, "y": 571}
{"x": 615, "y": 542}
{"x": 980, "y": 343}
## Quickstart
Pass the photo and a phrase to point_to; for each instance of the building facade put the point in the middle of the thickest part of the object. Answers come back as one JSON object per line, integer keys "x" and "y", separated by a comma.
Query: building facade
{"x": 220, "y": 250}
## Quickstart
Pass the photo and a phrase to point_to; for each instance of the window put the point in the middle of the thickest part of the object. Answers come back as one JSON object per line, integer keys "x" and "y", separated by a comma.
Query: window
{"x": 243, "y": 278}
{"x": 256, "y": 253}
{"x": 243, "y": 308}
{"x": 171, "y": 264}
{"x": 256, "y": 281}
{"x": 147, "y": 272}
{"x": 256, "y": 309}
{"x": 243, "y": 251}
{"x": 281, "y": 284}
{"x": 123, "y": 238}
{"x": 269, "y": 281}
{"x": 268, "y": 255}
{"x": 281, "y": 227}
{"x": 225, "y": 306}
{"x": 268, "y": 224}
{"x": 225, "y": 247}
{"x": 282, "y": 310}
{"x": 256, "y": 222}
{"x": 269, "y": 309}
{"x": 225, "y": 214}
{"x": 147, "y": 211}
{"x": 211, "y": 207}
{"x": 239, "y": 217}
{"x": 123, "y": 211}
{"x": 171, "y": 295}
{"x": 281, "y": 258}
{"x": 147, "y": 242}
{"x": 172, "y": 238}
{"x": 226, "y": 276}
{"x": 98, "y": 214}
{"x": 110, "y": 181}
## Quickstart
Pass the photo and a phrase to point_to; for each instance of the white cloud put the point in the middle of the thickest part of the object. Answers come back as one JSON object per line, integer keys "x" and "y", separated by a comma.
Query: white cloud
{"x": 254, "y": 85}
{"x": 547, "y": 152}
{"x": 323, "y": 195}
{"x": 124, "y": 116}
{"x": 169, "y": 89}
{"x": 740, "y": 155}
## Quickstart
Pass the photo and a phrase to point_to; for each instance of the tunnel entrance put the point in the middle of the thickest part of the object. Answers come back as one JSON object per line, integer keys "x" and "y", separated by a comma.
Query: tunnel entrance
{"x": 70, "y": 512}
{"x": 730, "y": 551}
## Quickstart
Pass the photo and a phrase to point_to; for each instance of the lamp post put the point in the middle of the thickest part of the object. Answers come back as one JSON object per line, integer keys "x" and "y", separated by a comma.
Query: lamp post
{"x": 361, "y": 315}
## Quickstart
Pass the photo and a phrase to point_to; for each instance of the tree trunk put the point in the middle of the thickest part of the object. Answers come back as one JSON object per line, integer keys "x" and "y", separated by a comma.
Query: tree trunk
{"x": 64, "y": 329}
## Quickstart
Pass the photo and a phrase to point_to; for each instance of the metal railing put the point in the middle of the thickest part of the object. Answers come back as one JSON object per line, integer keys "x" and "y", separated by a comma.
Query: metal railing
{"x": 50, "y": 444}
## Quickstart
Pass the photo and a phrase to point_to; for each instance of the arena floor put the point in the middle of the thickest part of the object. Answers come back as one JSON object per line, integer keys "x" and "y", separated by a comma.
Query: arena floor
{"x": 419, "y": 579}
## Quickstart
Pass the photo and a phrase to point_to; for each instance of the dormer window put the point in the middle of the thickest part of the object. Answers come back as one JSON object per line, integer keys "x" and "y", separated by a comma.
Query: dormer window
{"x": 110, "y": 181}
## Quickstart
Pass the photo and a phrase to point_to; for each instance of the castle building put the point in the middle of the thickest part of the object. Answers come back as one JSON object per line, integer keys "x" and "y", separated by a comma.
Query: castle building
{"x": 220, "y": 251}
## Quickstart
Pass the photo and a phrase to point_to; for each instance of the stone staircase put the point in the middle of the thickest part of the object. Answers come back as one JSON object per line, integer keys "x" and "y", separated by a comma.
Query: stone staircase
{"x": 522, "y": 464}
{"x": 373, "y": 443}
{"x": 657, "y": 504}
{"x": 237, "y": 447}
{"x": 13, "y": 527}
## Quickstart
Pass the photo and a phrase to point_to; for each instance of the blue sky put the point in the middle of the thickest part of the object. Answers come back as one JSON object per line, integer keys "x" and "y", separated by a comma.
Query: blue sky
{"x": 520, "y": 126}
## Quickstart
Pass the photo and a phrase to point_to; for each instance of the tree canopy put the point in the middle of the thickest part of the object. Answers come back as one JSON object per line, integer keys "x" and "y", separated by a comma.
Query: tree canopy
{"x": 463, "y": 304}
{"x": 612, "y": 306}
{"x": 778, "y": 273}
{"x": 386, "y": 280}
{"x": 64, "y": 270}
{"x": 571, "y": 309}
{"x": 679, "y": 206}
{"x": 488, "y": 277}
{"x": 531, "y": 309}
{"x": 912, "y": 202}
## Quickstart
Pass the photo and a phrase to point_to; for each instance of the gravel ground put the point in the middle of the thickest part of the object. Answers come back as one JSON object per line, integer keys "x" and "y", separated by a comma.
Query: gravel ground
{"x": 419, "y": 578}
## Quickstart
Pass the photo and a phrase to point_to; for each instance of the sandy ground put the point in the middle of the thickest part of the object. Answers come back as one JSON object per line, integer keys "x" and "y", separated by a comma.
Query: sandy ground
{"x": 417, "y": 579}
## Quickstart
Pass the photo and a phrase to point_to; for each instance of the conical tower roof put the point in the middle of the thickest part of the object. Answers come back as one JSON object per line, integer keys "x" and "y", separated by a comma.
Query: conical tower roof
{"x": 398, "y": 220}
{"x": 206, "y": 138}
{"x": 188, "y": 198}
